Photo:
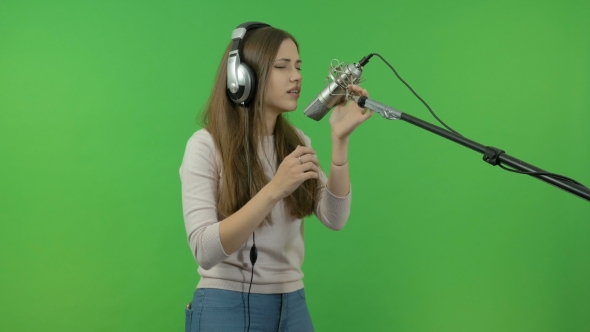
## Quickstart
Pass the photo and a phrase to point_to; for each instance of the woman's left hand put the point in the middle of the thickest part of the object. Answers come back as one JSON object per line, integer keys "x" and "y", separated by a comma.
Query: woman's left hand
{"x": 346, "y": 116}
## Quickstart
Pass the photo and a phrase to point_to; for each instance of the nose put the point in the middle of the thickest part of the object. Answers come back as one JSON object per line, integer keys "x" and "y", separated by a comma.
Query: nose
{"x": 295, "y": 75}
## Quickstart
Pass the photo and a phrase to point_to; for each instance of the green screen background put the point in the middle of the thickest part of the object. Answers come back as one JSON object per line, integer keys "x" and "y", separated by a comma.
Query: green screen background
{"x": 98, "y": 99}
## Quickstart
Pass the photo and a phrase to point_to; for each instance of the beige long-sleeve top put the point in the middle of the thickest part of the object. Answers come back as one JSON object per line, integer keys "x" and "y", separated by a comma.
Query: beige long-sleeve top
{"x": 280, "y": 246}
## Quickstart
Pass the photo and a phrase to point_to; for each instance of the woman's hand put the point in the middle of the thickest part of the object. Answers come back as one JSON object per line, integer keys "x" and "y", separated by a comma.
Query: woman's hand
{"x": 302, "y": 164}
{"x": 347, "y": 116}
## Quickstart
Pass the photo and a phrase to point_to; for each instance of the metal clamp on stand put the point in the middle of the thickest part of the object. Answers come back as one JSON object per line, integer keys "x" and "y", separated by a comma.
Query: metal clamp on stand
{"x": 491, "y": 155}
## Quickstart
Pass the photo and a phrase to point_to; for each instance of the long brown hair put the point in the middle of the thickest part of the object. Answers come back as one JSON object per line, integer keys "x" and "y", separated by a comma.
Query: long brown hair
{"x": 225, "y": 121}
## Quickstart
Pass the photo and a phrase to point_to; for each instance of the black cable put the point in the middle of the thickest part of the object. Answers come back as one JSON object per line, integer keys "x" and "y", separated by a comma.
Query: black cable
{"x": 253, "y": 256}
{"x": 415, "y": 94}
{"x": 553, "y": 175}
{"x": 253, "y": 250}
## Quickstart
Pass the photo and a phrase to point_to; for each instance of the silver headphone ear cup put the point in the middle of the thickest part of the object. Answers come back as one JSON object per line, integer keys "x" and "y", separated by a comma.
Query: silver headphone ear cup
{"x": 239, "y": 74}
{"x": 246, "y": 84}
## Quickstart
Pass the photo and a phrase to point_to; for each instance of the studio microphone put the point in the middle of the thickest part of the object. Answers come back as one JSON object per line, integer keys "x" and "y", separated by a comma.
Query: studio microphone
{"x": 340, "y": 76}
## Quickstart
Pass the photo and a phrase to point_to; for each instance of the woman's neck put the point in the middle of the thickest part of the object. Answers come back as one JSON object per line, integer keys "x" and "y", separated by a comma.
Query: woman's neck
{"x": 271, "y": 121}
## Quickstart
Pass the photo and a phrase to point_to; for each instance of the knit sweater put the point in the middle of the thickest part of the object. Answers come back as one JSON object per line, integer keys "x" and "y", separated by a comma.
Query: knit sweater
{"x": 280, "y": 246}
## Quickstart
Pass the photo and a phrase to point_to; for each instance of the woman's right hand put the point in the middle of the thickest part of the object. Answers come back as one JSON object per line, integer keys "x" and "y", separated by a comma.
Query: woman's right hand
{"x": 302, "y": 164}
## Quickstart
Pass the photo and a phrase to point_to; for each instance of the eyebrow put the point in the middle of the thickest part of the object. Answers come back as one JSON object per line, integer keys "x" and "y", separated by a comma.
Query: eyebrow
{"x": 288, "y": 60}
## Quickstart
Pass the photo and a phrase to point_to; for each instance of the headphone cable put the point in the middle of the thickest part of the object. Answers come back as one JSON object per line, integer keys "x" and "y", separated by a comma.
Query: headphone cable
{"x": 253, "y": 250}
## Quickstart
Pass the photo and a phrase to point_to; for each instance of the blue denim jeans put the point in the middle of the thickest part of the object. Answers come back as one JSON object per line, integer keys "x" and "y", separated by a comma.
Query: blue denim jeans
{"x": 223, "y": 310}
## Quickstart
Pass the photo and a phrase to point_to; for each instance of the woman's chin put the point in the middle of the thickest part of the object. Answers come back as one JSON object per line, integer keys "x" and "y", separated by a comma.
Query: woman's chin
{"x": 290, "y": 108}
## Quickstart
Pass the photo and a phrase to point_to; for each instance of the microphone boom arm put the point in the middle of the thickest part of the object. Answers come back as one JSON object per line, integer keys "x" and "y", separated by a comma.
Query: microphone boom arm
{"x": 492, "y": 156}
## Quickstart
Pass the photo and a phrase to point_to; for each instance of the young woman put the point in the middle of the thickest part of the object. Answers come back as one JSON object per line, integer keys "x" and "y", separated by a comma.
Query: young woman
{"x": 249, "y": 178}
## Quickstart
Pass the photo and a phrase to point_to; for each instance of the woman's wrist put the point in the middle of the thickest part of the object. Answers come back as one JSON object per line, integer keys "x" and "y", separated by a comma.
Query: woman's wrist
{"x": 339, "y": 141}
{"x": 339, "y": 151}
{"x": 271, "y": 193}
{"x": 339, "y": 165}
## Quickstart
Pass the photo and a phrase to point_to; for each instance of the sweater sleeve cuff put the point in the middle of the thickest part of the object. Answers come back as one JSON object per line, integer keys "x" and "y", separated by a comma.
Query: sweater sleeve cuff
{"x": 211, "y": 251}
{"x": 338, "y": 197}
{"x": 333, "y": 211}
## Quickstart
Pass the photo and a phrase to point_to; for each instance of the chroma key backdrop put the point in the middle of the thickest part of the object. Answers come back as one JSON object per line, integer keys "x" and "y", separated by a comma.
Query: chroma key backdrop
{"x": 98, "y": 99}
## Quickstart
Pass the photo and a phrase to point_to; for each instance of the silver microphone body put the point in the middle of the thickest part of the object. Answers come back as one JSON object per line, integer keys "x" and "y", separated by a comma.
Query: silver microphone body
{"x": 334, "y": 93}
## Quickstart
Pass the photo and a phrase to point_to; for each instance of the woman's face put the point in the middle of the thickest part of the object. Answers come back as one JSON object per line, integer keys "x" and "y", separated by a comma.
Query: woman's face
{"x": 284, "y": 82}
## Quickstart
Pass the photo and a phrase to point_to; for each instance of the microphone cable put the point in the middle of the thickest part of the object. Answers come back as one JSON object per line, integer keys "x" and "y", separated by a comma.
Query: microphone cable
{"x": 414, "y": 92}
{"x": 503, "y": 166}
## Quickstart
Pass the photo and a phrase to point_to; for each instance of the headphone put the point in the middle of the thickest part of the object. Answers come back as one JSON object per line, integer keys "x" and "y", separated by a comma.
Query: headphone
{"x": 241, "y": 80}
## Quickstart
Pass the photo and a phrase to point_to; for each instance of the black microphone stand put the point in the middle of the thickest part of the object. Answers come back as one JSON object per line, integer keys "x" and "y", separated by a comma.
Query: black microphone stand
{"x": 491, "y": 155}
